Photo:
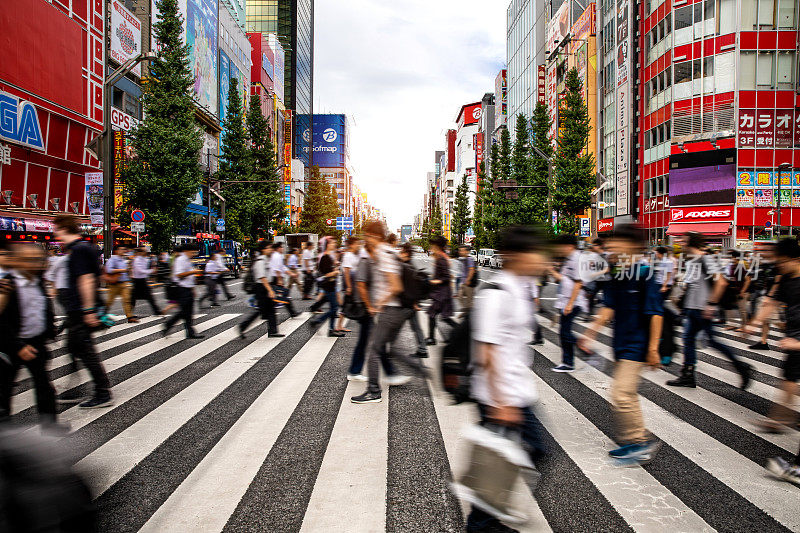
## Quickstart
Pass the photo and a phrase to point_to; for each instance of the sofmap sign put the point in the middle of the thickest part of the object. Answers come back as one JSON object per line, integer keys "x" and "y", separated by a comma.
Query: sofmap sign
{"x": 19, "y": 122}
{"x": 702, "y": 214}
{"x": 329, "y": 141}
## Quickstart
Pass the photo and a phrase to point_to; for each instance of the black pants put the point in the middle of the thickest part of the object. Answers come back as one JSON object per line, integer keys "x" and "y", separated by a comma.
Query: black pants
{"x": 223, "y": 287}
{"x": 141, "y": 291}
{"x": 81, "y": 345}
{"x": 308, "y": 283}
{"x": 45, "y": 393}
{"x": 266, "y": 310}
{"x": 185, "y": 298}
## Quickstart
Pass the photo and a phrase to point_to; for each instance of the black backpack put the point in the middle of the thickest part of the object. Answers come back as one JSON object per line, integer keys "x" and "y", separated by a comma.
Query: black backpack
{"x": 416, "y": 285}
{"x": 457, "y": 357}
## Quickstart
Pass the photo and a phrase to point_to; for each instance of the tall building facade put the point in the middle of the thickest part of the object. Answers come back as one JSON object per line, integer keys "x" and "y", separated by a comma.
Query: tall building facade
{"x": 525, "y": 49}
{"x": 293, "y": 23}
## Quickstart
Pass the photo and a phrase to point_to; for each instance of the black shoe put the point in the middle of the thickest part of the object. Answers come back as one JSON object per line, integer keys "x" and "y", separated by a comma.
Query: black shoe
{"x": 231, "y": 297}
{"x": 165, "y": 331}
{"x": 275, "y": 335}
{"x": 314, "y": 323}
{"x": 422, "y": 354}
{"x": 195, "y": 336}
{"x": 214, "y": 305}
{"x": 367, "y": 397}
{"x": 334, "y": 333}
{"x": 430, "y": 342}
{"x": 536, "y": 342}
{"x": 760, "y": 346}
{"x": 746, "y": 371}
{"x": 70, "y": 397}
{"x": 686, "y": 379}
{"x": 294, "y": 315}
{"x": 241, "y": 331}
{"x": 97, "y": 402}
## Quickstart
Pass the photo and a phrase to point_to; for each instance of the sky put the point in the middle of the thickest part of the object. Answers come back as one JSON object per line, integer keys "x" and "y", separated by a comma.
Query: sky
{"x": 401, "y": 70}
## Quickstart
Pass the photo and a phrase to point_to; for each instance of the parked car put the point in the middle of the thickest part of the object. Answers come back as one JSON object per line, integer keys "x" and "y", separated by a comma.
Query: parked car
{"x": 496, "y": 261}
{"x": 484, "y": 254}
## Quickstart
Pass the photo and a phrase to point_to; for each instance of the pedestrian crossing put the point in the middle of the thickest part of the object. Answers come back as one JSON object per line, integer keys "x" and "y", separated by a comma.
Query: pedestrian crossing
{"x": 259, "y": 434}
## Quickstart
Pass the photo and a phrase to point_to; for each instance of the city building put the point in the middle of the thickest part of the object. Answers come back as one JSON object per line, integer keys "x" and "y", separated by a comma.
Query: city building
{"x": 332, "y": 155}
{"x": 606, "y": 131}
{"x": 525, "y": 50}
{"x": 50, "y": 112}
{"x": 718, "y": 138}
{"x": 446, "y": 183}
{"x": 500, "y": 107}
{"x": 292, "y": 21}
{"x": 486, "y": 129}
{"x": 468, "y": 120}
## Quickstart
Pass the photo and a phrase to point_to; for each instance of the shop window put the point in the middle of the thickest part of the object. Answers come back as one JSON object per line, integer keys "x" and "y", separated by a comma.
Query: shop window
{"x": 747, "y": 71}
{"x": 766, "y": 13}
{"x": 786, "y": 13}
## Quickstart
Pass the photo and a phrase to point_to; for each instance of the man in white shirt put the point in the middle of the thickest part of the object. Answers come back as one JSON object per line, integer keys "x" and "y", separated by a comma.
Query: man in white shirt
{"x": 141, "y": 269}
{"x": 503, "y": 383}
{"x": 277, "y": 271}
{"x": 184, "y": 275}
{"x": 307, "y": 262}
{"x": 293, "y": 270}
{"x": 571, "y": 299}
{"x": 391, "y": 315}
{"x": 214, "y": 271}
{"x": 263, "y": 292}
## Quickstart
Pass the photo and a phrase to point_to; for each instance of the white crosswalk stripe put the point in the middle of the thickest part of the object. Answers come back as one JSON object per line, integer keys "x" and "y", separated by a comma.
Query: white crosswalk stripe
{"x": 352, "y": 476}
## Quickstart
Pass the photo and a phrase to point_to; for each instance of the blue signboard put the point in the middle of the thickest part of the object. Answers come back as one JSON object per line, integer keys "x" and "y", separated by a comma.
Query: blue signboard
{"x": 344, "y": 223}
{"x": 20, "y": 123}
{"x": 329, "y": 141}
{"x": 224, "y": 84}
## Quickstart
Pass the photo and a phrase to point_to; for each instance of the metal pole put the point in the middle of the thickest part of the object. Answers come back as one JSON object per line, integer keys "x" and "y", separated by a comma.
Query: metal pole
{"x": 550, "y": 190}
{"x": 108, "y": 146}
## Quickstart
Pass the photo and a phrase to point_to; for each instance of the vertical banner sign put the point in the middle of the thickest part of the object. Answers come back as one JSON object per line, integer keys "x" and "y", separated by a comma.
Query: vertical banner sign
{"x": 119, "y": 166}
{"x": 126, "y": 35}
{"x": 94, "y": 198}
{"x": 552, "y": 101}
{"x": 541, "y": 84}
{"x": 478, "y": 152}
{"x": 624, "y": 107}
{"x": 287, "y": 160}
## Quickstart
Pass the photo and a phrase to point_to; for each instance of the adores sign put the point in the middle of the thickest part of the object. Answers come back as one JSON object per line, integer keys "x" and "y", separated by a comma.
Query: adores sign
{"x": 721, "y": 213}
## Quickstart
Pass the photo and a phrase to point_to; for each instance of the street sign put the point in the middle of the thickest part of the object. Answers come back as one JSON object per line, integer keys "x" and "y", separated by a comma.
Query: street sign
{"x": 344, "y": 223}
{"x": 220, "y": 224}
{"x": 329, "y": 222}
{"x": 137, "y": 227}
{"x": 137, "y": 215}
{"x": 767, "y": 224}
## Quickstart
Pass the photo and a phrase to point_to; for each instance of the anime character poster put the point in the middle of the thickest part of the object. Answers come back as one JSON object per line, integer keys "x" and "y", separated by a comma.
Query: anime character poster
{"x": 201, "y": 36}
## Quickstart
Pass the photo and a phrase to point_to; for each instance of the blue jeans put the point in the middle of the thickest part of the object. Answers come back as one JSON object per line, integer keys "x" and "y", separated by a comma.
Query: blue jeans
{"x": 695, "y": 323}
{"x": 532, "y": 431}
{"x": 567, "y": 338}
{"x": 360, "y": 352}
{"x": 333, "y": 309}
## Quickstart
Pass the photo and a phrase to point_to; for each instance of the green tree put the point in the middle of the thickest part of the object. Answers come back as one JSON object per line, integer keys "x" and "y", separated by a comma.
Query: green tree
{"x": 573, "y": 164}
{"x": 521, "y": 171}
{"x": 165, "y": 173}
{"x": 436, "y": 224}
{"x": 534, "y": 202}
{"x": 478, "y": 216}
{"x": 504, "y": 207}
{"x": 320, "y": 204}
{"x": 461, "y": 213}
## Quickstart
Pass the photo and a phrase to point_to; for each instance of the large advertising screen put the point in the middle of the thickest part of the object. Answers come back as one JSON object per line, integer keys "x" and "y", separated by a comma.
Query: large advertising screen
{"x": 329, "y": 140}
{"x": 558, "y": 27}
{"x": 126, "y": 35}
{"x": 702, "y": 178}
{"x": 624, "y": 106}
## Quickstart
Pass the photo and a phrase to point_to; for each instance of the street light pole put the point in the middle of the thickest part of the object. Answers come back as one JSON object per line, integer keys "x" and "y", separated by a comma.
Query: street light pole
{"x": 108, "y": 143}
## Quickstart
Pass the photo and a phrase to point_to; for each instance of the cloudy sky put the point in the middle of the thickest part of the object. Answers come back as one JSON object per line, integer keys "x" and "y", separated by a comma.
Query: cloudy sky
{"x": 401, "y": 70}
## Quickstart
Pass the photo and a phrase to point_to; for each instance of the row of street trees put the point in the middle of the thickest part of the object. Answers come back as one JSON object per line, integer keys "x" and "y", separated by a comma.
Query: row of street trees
{"x": 165, "y": 171}
{"x": 526, "y": 161}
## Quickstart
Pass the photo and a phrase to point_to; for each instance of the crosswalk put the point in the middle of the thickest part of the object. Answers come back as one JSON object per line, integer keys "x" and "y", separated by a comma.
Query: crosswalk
{"x": 258, "y": 434}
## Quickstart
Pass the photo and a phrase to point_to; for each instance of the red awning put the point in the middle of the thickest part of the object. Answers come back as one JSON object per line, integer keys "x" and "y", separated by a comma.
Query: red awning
{"x": 706, "y": 228}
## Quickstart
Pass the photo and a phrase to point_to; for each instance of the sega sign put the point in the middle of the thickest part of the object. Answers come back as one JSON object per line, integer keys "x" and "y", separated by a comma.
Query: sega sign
{"x": 19, "y": 122}
{"x": 722, "y": 213}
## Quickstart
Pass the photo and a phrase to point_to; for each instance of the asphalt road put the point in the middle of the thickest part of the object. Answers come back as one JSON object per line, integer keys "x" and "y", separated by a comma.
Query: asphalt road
{"x": 224, "y": 434}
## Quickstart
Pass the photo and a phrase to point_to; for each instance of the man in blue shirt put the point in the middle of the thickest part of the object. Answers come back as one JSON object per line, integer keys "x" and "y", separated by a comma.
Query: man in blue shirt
{"x": 633, "y": 300}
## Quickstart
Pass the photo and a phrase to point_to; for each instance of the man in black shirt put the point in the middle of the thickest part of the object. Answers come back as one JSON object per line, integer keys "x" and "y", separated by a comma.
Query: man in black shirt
{"x": 83, "y": 271}
{"x": 787, "y": 292}
{"x": 328, "y": 271}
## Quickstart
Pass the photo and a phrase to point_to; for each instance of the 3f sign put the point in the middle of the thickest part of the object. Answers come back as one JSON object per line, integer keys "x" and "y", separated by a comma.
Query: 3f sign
{"x": 19, "y": 122}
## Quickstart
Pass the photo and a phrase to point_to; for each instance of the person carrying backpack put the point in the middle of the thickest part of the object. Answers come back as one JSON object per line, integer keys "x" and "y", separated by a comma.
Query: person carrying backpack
{"x": 502, "y": 382}
{"x": 632, "y": 298}
{"x": 705, "y": 286}
{"x": 413, "y": 280}
{"x": 441, "y": 292}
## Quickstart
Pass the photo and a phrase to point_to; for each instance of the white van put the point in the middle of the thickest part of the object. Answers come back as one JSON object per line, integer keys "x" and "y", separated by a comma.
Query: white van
{"x": 484, "y": 254}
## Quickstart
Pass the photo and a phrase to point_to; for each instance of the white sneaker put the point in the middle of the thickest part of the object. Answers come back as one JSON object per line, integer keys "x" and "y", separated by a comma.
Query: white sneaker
{"x": 398, "y": 379}
{"x": 563, "y": 368}
{"x": 356, "y": 377}
{"x": 782, "y": 469}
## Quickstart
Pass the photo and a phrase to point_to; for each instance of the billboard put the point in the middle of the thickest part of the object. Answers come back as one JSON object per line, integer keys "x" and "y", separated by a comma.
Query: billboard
{"x": 558, "y": 26}
{"x": 225, "y": 65}
{"x": 279, "y": 66}
{"x": 126, "y": 35}
{"x": 704, "y": 178}
{"x": 552, "y": 101}
{"x": 624, "y": 106}
{"x": 500, "y": 98}
{"x": 469, "y": 114}
{"x": 329, "y": 140}
{"x": 201, "y": 36}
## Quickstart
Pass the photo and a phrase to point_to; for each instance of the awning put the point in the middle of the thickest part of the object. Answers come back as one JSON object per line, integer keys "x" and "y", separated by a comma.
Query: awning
{"x": 706, "y": 228}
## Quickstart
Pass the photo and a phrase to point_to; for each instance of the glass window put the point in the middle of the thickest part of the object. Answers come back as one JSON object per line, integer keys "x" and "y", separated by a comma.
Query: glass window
{"x": 766, "y": 13}
{"x": 765, "y": 69}
{"x": 786, "y": 13}
{"x": 683, "y": 71}
{"x": 696, "y": 69}
{"x": 747, "y": 71}
{"x": 785, "y": 68}
{"x": 709, "y": 9}
{"x": 748, "y": 14}
{"x": 683, "y": 17}
{"x": 727, "y": 17}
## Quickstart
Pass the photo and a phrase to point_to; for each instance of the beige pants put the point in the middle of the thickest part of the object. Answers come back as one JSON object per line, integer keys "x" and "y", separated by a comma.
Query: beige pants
{"x": 465, "y": 295}
{"x": 123, "y": 290}
{"x": 625, "y": 398}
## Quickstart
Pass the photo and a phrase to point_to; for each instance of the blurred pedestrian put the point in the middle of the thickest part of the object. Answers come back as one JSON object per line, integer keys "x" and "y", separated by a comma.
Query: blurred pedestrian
{"x": 664, "y": 276}
{"x": 142, "y": 268}
{"x": 307, "y": 262}
{"x": 467, "y": 278}
{"x": 118, "y": 281}
{"x": 406, "y": 254}
{"x": 571, "y": 299}
{"x": 293, "y": 271}
{"x": 327, "y": 271}
{"x": 263, "y": 292}
{"x": 26, "y": 325}
{"x": 277, "y": 275}
{"x": 441, "y": 289}
{"x": 184, "y": 277}
{"x": 82, "y": 299}
{"x": 214, "y": 270}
